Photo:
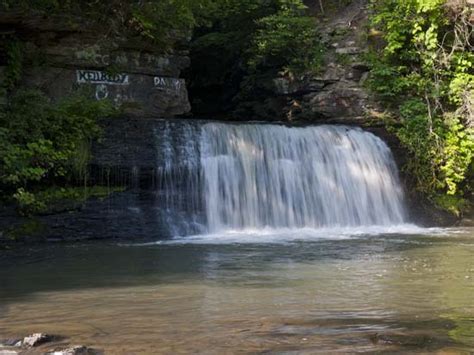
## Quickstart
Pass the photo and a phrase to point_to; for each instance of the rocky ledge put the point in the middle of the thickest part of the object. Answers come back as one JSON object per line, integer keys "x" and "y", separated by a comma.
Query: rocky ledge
{"x": 62, "y": 56}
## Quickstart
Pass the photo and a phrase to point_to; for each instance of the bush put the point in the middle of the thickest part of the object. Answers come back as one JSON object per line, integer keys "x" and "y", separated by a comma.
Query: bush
{"x": 164, "y": 22}
{"x": 42, "y": 143}
{"x": 287, "y": 39}
{"x": 425, "y": 75}
{"x": 59, "y": 199}
{"x": 248, "y": 43}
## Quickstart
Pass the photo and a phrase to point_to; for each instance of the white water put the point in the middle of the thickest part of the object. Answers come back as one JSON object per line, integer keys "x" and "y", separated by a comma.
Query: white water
{"x": 259, "y": 182}
{"x": 270, "y": 176}
{"x": 290, "y": 235}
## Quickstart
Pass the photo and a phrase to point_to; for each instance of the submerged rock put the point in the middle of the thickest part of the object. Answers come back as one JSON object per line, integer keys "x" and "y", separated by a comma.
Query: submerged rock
{"x": 10, "y": 342}
{"x": 75, "y": 350}
{"x": 13, "y": 346}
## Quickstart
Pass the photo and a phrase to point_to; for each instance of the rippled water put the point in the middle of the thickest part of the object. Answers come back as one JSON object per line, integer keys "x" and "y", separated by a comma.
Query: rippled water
{"x": 405, "y": 293}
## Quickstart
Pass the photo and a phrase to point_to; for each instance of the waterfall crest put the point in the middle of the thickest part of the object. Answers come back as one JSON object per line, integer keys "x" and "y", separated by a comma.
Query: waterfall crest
{"x": 261, "y": 175}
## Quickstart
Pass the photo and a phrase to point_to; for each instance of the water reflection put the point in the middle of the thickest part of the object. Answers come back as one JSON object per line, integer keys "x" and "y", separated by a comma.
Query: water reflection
{"x": 392, "y": 293}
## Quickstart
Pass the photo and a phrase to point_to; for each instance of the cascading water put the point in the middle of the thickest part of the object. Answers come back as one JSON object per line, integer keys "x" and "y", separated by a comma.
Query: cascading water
{"x": 273, "y": 176}
{"x": 178, "y": 178}
{"x": 220, "y": 177}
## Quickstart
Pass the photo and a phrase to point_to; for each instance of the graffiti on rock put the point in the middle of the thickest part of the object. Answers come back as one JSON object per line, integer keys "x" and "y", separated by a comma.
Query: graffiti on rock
{"x": 101, "y": 92}
{"x": 171, "y": 84}
{"x": 102, "y": 82}
{"x": 100, "y": 77}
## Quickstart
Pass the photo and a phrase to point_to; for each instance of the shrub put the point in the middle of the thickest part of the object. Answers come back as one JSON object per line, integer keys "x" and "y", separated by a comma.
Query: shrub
{"x": 425, "y": 75}
{"x": 42, "y": 143}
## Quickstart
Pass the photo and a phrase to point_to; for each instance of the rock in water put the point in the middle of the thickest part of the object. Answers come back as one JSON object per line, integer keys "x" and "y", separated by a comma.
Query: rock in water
{"x": 11, "y": 342}
{"x": 8, "y": 352}
{"x": 75, "y": 350}
{"x": 36, "y": 339}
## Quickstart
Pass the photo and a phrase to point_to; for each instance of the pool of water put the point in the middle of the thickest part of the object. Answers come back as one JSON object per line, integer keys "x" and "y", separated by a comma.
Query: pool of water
{"x": 405, "y": 293}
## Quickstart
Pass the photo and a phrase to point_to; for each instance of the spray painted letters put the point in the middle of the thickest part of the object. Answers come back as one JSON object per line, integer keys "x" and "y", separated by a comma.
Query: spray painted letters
{"x": 172, "y": 84}
{"x": 100, "y": 77}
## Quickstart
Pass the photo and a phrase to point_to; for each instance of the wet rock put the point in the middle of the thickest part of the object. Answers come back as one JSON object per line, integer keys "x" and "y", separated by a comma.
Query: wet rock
{"x": 75, "y": 350}
{"x": 10, "y": 346}
{"x": 36, "y": 339}
{"x": 8, "y": 352}
{"x": 404, "y": 340}
{"x": 137, "y": 145}
{"x": 11, "y": 342}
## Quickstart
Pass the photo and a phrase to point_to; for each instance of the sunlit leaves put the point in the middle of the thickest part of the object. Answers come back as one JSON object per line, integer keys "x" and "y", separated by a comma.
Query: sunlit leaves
{"x": 39, "y": 140}
{"x": 426, "y": 74}
{"x": 287, "y": 39}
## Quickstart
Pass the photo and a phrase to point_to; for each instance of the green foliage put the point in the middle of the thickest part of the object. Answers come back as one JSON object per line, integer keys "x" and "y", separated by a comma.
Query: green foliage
{"x": 425, "y": 74}
{"x": 48, "y": 201}
{"x": 42, "y": 143}
{"x": 30, "y": 228}
{"x": 287, "y": 39}
{"x": 223, "y": 44}
{"x": 14, "y": 68}
{"x": 59, "y": 199}
{"x": 279, "y": 34}
{"x": 343, "y": 59}
{"x": 164, "y": 22}
{"x": 44, "y": 5}
{"x": 245, "y": 41}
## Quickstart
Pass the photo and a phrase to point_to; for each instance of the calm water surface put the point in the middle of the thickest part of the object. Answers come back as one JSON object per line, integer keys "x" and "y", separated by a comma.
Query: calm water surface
{"x": 382, "y": 293}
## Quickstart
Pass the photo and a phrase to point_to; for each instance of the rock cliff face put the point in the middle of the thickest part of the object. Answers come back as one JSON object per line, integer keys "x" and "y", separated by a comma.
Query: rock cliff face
{"x": 337, "y": 94}
{"x": 61, "y": 56}
{"x": 138, "y": 152}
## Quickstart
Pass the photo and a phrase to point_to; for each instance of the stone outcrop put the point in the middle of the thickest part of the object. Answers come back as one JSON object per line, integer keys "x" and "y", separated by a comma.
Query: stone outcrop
{"x": 62, "y": 56}
{"x": 334, "y": 95}
{"x": 337, "y": 94}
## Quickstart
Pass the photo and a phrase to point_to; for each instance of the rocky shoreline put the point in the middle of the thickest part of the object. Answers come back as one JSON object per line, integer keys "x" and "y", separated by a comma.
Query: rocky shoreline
{"x": 45, "y": 344}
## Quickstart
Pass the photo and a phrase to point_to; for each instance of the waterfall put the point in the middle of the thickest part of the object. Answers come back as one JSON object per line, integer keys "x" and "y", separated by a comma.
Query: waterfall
{"x": 179, "y": 202}
{"x": 257, "y": 176}
{"x": 215, "y": 177}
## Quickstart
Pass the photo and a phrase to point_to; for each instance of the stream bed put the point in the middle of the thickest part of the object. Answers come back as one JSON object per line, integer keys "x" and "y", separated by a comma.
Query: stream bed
{"x": 402, "y": 293}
